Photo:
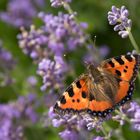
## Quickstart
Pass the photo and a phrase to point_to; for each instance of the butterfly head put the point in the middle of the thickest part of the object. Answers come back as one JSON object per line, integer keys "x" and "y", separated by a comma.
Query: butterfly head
{"x": 94, "y": 72}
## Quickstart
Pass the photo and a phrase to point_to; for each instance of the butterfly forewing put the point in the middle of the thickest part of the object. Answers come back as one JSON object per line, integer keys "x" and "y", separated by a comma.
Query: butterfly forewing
{"x": 75, "y": 97}
{"x": 125, "y": 68}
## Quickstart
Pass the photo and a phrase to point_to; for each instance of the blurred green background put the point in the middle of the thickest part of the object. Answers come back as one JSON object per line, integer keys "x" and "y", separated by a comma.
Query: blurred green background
{"x": 94, "y": 12}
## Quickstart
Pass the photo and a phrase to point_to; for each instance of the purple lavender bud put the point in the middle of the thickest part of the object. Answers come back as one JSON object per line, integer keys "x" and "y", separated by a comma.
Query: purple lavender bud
{"x": 57, "y": 123}
{"x": 119, "y": 118}
{"x": 7, "y": 64}
{"x": 98, "y": 138}
{"x": 95, "y": 123}
{"x": 32, "y": 80}
{"x": 21, "y": 13}
{"x": 119, "y": 18}
{"x": 58, "y": 3}
{"x": 123, "y": 34}
{"x": 69, "y": 135}
{"x": 51, "y": 113}
{"x": 6, "y": 59}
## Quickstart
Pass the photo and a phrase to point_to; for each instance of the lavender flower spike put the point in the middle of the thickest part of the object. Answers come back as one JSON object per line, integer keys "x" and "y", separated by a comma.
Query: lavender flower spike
{"x": 119, "y": 18}
{"x": 51, "y": 72}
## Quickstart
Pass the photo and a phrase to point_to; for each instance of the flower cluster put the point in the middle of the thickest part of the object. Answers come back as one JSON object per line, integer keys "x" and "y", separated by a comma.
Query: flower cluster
{"x": 9, "y": 129}
{"x": 60, "y": 33}
{"x": 12, "y": 115}
{"x": 133, "y": 112}
{"x": 33, "y": 43}
{"x": 63, "y": 32}
{"x": 119, "y": 18}
{"x": 77, "y": 126}
{"x": 21, "y": 13}
{"x": 52, "y": 72}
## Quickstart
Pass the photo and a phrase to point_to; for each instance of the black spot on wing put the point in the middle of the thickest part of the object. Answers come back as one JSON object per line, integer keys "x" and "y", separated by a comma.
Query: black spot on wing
{"x": 70, "y": 91}
{"x": 78, "y": 100}
{"x": 118, "y": 80}
{"x": 126, "y": 67}
{"x": 78, "y": 84}
{"x": 118, "y": 72}
{"x": 63, "y": 100}
{"x": 91, "y": 97}
{"x": 129, "y": 58}
{"x": 84, "y": 94}
{"x": 119, "y": 60}
{"x": 73, "y": 100}
{"x": 111, "y": 63}
{"x": 125, "y": 70}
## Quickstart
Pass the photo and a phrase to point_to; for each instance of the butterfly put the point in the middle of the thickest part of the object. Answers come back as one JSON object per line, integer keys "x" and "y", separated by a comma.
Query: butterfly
{"x": 103, "y": 88}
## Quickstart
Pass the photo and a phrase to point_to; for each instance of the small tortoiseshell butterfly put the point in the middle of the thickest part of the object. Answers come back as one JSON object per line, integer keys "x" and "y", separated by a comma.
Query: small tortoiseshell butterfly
{"x": 102, "y": 88}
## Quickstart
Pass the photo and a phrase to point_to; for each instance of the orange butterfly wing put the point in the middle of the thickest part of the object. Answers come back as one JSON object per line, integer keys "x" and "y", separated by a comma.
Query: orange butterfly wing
{"x": 124, "y": 67}
{"x": 78, "y": 96}
{"x": 75, "y": 97}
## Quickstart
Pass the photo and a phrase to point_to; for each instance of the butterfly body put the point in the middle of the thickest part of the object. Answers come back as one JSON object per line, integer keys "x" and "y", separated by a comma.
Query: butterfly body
{"x": 102, "y": 88}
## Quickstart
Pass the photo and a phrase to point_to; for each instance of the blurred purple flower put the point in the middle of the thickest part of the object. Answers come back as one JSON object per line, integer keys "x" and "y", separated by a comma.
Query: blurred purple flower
{"x": 76, "y": 125}
{"x": 32, "y": 43}
{"x": 7, "y": 63}
{"x": 69, "y": 135}
{"x": 21, "y": 13}
{"x": 8, "y": 130}
{"x": 62, "y": 30}
{"x": 50, "y": 95}
{"x": 13, "y": 116}
{"x": 119, "y": 18}
{"x": 94, "y": 55}
{"x": 104, "y": 51}
{"x": 27, "y": 106}
{"x": 52, "y": 72}
{"x": 39, "y": 3}
{"x": 133, "y": 112}
{"x": 57, "y": 3}
{"x": 98, "y": 138}
{"x": 32, "y": 80}
{"x": 6, "y": 59}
